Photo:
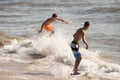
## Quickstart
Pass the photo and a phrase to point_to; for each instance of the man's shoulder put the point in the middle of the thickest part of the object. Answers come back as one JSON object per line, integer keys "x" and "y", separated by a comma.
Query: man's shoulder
{"x": 48, "y": 19}
{"x": 81, "y": 31}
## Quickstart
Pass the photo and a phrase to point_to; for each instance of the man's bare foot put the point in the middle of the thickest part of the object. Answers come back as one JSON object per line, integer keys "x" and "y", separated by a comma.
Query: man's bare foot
{"x": 76, "y": 73}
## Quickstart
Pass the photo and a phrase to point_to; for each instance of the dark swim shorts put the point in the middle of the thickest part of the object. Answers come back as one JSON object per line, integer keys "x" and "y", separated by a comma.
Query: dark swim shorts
{"x": 75, "y": 49}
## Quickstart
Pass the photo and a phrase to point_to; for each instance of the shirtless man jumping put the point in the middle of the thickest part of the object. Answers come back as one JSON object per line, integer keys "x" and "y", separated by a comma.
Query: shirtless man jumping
{"x": 80, "y": 34}
{"x": 47, "y": 24}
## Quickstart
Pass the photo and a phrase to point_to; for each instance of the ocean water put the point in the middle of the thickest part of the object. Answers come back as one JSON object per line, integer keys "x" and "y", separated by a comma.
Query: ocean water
{"x": 40, "y": 54}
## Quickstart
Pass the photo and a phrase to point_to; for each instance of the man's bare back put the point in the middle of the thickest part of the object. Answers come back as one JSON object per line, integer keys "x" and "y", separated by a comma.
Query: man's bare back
{"x": 48, "y": 21}
{"x": 78, "y": 35}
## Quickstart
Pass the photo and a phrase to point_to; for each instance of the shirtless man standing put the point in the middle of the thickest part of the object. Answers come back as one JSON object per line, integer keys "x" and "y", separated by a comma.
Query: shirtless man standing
{"x": 80, "y": 34}
{"x": 47, "y": 24}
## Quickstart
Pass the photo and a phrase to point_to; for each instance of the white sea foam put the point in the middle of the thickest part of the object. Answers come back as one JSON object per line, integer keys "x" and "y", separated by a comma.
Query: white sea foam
{"x": 58, "y": 50}
{"x": 59, "y": 60}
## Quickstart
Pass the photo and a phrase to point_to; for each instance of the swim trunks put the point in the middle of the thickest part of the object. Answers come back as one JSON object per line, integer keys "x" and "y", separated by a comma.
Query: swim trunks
{"x": 75, "y": 48}
{"x": 48, "y": 28}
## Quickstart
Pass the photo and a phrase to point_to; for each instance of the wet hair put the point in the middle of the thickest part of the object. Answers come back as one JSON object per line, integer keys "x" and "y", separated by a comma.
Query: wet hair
{"x": 54, "y": 15}
{"x": 87, "y": 23}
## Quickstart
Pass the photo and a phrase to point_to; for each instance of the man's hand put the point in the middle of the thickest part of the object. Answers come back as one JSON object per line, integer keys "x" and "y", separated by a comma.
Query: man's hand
{"x": 86, "y": 46}
{"x": 66, "y": 22}
{"x": 39, "y": 31}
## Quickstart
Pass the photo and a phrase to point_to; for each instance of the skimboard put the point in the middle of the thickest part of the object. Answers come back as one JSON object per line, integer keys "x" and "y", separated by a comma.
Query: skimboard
{"x": 83, "y": 72}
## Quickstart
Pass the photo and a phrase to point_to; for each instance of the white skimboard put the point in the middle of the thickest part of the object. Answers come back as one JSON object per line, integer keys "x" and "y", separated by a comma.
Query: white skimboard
{"x": 81, "y": 73}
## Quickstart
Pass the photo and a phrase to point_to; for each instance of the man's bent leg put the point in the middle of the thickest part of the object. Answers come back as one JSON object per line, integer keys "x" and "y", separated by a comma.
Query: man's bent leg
{"x": 77, "y": 62}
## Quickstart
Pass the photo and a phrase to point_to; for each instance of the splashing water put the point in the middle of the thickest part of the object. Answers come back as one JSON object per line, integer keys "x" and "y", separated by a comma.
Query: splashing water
{"x": 58, "y": 58}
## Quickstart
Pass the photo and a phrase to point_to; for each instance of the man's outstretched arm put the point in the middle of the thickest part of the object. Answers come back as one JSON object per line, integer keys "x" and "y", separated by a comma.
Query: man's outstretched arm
{"x": 62, "y": 20}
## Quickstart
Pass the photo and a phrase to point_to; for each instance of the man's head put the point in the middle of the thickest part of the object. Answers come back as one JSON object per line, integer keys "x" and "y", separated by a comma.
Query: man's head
{"x": 86, "y": 25}
{"x": 54, "y": 15}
